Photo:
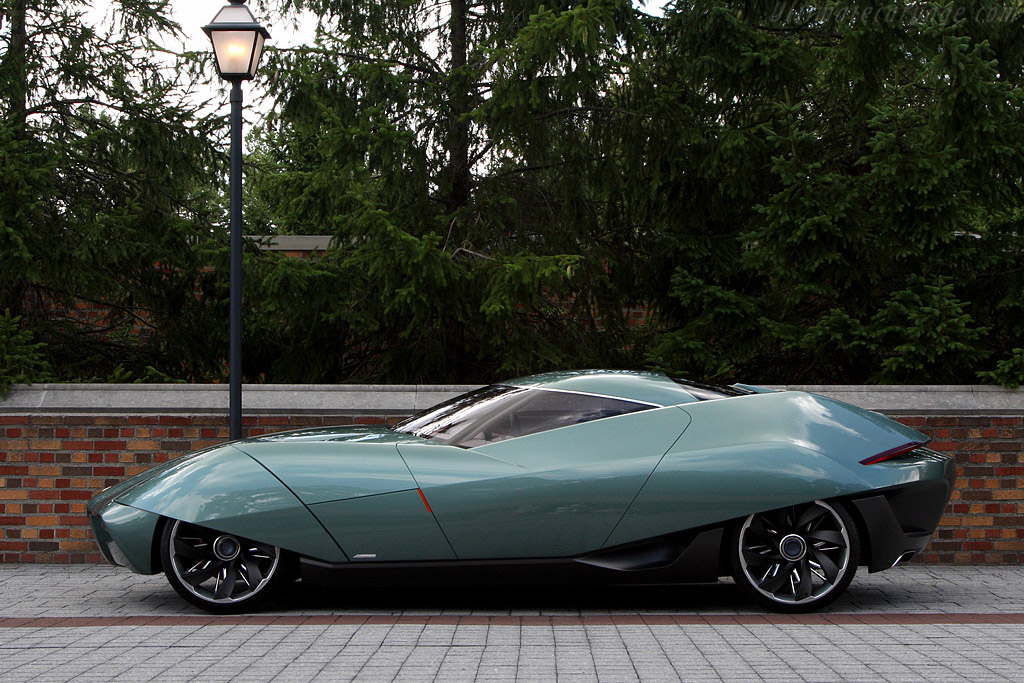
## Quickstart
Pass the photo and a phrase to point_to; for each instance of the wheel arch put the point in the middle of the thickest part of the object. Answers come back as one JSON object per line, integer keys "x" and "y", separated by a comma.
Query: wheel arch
{"x": 155, "y": 556}
{"x": 863, "y": 530}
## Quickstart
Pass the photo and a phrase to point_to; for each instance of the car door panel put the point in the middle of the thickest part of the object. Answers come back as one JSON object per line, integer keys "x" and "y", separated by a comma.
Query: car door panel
{"x": 391, "y": 527}
{"x": 556, "y": 493}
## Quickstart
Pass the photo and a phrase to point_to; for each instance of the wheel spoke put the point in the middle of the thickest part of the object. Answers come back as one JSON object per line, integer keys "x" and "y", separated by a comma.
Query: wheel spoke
{"x": 827, "y": 565}
{"x": 760, "y": 555}
{"x": 199, "y": 575}
{"x": 774, "y": 522}
{"x": 803, "y": 591}
{"x": 189, "y": 549}
{"x": 252, "y": 570}
{"x": 776, "y": 582}
{"x": 227, "y": 585}
{"x": 266, "y": 551}
{"x": 759, "y": 528}
{"x": 809, "y": 515}
{"x": 833, "y": 537}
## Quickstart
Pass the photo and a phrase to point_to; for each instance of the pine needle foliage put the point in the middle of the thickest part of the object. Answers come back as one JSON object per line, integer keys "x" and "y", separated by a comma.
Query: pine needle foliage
{"x": 451, "y": 150}
{"x": 796, "y": 192}
{"x": 845, "y": 180}
{"x": 108, "y": 191}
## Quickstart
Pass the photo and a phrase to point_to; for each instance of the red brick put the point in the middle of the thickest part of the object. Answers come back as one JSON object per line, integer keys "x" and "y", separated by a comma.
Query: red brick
{"x": 74, "y": 520}
{"x": 76, "y": 495}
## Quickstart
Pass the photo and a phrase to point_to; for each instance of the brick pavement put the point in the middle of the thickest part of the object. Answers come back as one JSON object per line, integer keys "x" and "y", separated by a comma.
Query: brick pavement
{"x": 61, "y": 623}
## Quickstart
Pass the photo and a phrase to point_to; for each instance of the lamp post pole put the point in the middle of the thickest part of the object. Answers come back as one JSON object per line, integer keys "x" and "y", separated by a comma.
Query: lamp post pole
{"x": 237, "y": 47}
{"x": 235, "y": 314}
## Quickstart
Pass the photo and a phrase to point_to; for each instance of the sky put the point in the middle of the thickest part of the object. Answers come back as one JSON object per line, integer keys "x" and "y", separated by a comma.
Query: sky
{"x": 192, "y": 15}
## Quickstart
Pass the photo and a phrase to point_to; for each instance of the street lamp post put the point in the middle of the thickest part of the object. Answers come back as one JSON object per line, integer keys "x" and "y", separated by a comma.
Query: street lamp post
{"x": 237, "y": 46}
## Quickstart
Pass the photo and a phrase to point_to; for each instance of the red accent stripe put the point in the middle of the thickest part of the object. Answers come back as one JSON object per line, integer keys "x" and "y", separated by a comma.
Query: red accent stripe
{"x": 892, "y": 453}
{"x": 425, "y": 501}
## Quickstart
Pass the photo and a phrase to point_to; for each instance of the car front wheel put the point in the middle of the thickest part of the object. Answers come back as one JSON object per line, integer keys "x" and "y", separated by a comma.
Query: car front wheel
{"x": 798, "y": 558}
{"x": 219, "y": 572}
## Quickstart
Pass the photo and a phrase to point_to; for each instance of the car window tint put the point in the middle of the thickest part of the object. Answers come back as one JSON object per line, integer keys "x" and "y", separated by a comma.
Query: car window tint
{"x": 543, "y": 410}
{"x": 448, "y": 419}
{"x": 707, "y": 392}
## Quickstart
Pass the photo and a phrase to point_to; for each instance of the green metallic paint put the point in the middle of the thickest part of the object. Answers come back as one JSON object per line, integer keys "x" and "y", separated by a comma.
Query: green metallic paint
{"x": 558, "y": 493}
{"x": 649, "y": 387}
{"x": 551, "y": 494}
{"x": 707, "y": 486}
{"x": 321, "y": 471}
{"x": 110, "y": 493}
{"x": 133, "y": 530}
{"x": 760, "y": 452}
{"x": 392, "y": 527}
{"x": 227, "y": 490}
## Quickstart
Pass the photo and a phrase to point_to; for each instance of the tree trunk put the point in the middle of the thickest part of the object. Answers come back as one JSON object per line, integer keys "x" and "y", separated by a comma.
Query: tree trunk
{"x": 12, "y": 68}
{"x": 459, "y": 178}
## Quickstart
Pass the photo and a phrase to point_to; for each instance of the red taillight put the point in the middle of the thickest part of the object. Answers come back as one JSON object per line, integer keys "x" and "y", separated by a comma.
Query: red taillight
{"x": 892, "y": 453}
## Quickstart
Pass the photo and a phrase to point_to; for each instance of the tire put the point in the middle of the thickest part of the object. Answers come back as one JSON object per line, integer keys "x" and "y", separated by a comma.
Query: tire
{"x": 218, "y": 572}
{"x": 796, "y": 559}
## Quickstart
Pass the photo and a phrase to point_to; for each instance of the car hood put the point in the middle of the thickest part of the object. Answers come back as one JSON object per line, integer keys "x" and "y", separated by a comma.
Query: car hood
{"x": 334, "y": 463}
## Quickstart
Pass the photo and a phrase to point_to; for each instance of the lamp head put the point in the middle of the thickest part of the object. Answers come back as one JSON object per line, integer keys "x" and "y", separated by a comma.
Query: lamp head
{"x": 237, "y": 41}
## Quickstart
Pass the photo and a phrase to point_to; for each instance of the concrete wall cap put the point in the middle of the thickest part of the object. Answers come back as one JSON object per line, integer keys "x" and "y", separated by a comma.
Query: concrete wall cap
{"x": 403, "y": 399}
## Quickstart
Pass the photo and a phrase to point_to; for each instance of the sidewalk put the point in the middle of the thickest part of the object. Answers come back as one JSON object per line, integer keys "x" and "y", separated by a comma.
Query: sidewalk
{"x": 61, "y": 623}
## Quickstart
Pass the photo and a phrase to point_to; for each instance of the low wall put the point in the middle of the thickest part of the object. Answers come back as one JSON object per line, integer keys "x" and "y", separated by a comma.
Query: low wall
{"x": 62, "y": 443}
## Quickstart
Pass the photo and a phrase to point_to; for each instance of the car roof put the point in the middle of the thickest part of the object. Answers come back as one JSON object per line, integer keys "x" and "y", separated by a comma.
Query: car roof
{"x": 647, "y": 387}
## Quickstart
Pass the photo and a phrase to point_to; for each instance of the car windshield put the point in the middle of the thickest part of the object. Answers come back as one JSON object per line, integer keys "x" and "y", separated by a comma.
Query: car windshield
{"x": 444, "y": 421}
{"x": 497, "y": 413}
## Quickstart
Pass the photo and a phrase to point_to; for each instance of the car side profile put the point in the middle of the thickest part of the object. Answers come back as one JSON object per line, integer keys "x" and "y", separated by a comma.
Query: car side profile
{"x": 603, "y": 476}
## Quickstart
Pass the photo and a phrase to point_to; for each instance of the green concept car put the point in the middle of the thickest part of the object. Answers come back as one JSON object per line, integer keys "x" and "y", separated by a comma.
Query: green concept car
{"x": 602, "y": 476}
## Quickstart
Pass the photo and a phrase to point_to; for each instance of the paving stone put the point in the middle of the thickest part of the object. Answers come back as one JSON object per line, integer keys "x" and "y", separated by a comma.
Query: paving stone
{"x": 926, "y": 624}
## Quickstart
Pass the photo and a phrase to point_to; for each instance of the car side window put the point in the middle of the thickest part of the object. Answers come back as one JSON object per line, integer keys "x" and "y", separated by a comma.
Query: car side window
{"x": 447, "y": 421}
{"x": 544, "y": 410}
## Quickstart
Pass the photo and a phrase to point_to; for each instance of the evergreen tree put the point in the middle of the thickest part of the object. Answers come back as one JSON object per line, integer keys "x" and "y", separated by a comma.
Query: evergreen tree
{"x": 106, "y": 191}
{"x": 844, "y": 183}
{"x": 448, "y": 148}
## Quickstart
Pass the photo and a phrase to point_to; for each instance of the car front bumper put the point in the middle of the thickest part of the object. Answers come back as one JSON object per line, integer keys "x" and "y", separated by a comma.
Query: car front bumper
{"x": 125, "y": 536}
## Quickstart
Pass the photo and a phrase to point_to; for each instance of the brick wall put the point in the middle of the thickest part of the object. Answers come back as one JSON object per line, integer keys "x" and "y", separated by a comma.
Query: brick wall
{"x": 50, "y": 466}
{"x": 52, "y": 461}
{"x": 984, "y": 522}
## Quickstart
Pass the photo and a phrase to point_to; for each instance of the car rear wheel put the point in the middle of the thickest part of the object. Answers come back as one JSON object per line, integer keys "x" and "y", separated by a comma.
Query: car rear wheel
{"x": 219, "y": 572}
{"x": 798, "y": 558}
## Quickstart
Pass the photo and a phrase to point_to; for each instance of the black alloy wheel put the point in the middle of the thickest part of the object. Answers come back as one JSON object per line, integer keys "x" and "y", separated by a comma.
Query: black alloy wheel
{"x": 219, "y": 572}
{"x": 798, "y": 558}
